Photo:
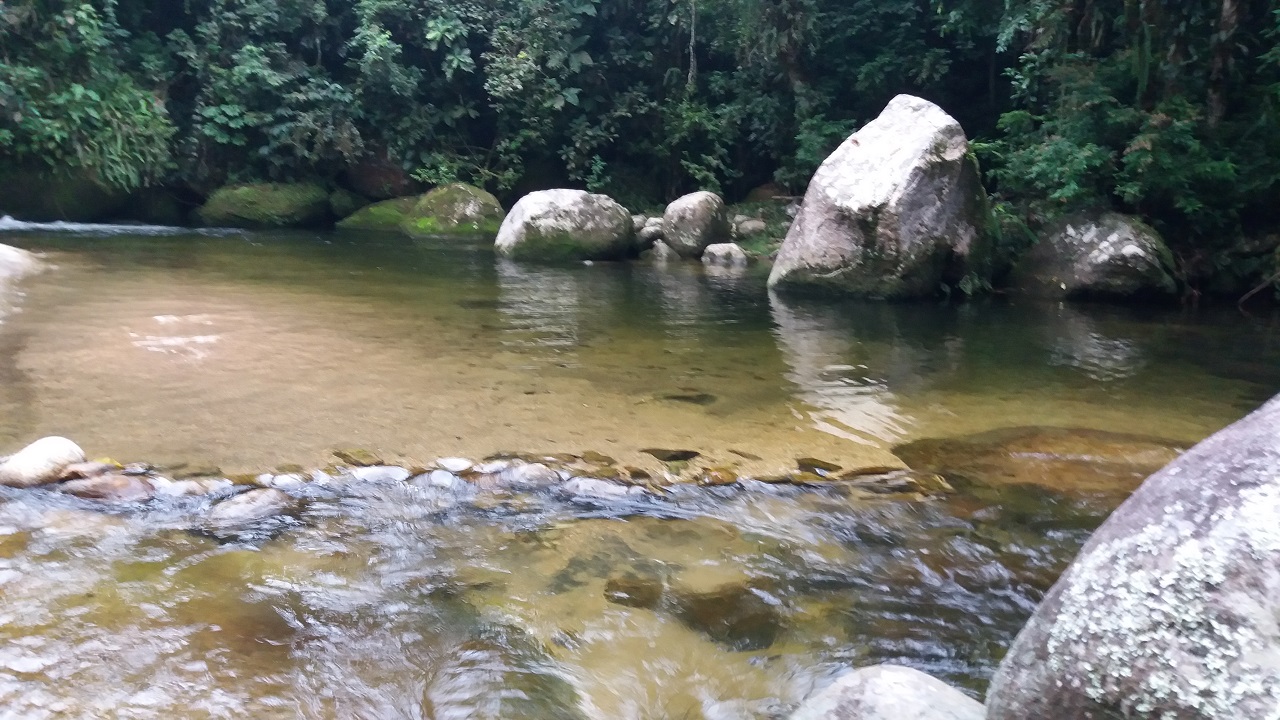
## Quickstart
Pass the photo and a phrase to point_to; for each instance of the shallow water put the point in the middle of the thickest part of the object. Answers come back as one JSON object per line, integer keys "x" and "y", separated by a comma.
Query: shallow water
{"x": 405, "y": 600}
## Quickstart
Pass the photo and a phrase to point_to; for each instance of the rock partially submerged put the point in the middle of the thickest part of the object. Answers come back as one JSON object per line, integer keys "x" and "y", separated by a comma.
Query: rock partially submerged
{"x": 889, "y": 692}
{"x": 694, "y": 222}
{"x": 248, "y": 508}
{"x": 725, "y": 255}
{"x": 561, "y": 225}
{"x": 1170, "y": 611}
{"x": 267, "y": 205}
{"x": 1106, "y": 255}
{"x": 386, "y": 216}
{"x": 40, "y": 463}
{"x": 897, "y": 210}
{"x": 456, "y": 209}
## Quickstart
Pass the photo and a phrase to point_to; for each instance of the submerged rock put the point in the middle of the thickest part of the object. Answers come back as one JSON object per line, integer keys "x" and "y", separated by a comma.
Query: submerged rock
{"x": 898, "y": 209}
{"x": 456, "y": 209}
{"x": 268, "y": 205}
{"x": 115, "y": 487}
{"x": 889, "y": 692}
{"x": 1170, "y": 610}
{"x": 633, "y": 590}
{"x": 560, "y": 225}
{"x": 735, "y": 614}
{"x": 249, "y": 507}
{"x": 1105, "y": 255}
{"x": 41, "y": 462}
{"x": 725, "y": 254}
{"x": 694, "y": 222}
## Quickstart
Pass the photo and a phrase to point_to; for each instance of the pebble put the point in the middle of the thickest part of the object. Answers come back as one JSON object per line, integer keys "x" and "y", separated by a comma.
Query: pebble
{"x": 455, "y": 465}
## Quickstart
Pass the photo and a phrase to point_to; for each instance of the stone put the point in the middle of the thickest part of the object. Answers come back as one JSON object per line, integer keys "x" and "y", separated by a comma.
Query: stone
{"x": 379, "y": 474}
{"x": 899, "y": 482}
{"x": 735, "y": 614}
{"x": 897, "y": 210}
{"x": 1096, "y": 255}
{"x": 752, "y": 226}
{"x": 530, "y": 476}
{"x": 385, "y": 216}
{"x": 661, "y": 252}
{"x": 454, "y": 210}
{"x": 41, "y": 462}
{"x": 666, "y": 455}
{"x": 378, "y": 176}
{"x": 889, "y": 692}
{"x": 1170, "y": 610}
{"x": 86, "y": 470}
{"x": 358, "y": 457}
{"x": 115, "y": 487}
{"x": 725, "y": 255}
{"x": 638, "y": 222}
{"x": 455, "y": 465}
{"x": 632, "y": 590}
{"x": 769, "y": 192}
{"x": 249, "y": 507}
{"x": 594, "y": 489}
{"x": 266, "y": 205}
{"x": 566, "y": 225}
{"x": 693, "y": 222}
{"x": 647, "y": 236}
{"x": 186, "y": 488}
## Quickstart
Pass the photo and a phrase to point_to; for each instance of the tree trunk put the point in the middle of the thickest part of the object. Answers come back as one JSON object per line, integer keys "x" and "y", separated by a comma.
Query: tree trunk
{"x": 1220, "y": 65}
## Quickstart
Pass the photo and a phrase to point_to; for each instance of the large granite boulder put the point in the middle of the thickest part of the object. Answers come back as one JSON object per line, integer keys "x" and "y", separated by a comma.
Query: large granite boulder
{"x": 1100, "y": 255}
{"x": 267, "y": 205}
{"x": 456, "y": 209}
{"x": 695, "y": 221}
{"x": 896, "y": 211}
{"x": 560, "y": 225}
{"x": 1172, "y": 610}
{"x": 889, "y": 692}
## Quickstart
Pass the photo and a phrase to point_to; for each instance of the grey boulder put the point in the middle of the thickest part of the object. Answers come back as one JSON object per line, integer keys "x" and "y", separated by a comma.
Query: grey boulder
{"x": 1172, "y": 609}
{"x": 40, "y": 463}
{"x": 564, "y": 225}
{"x": 889, "y": 692}
{"x": 1102, "y": 255}
{"x": 725, "y": 254}
{"x": 894, "y": 212}
{"x": 693, "y": 222}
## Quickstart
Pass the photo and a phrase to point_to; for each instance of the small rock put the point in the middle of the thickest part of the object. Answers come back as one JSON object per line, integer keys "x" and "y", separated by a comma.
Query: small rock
{"x": 671, "y": 455}
{"x": 581, "y": 487}
{"x": 115, "y": 487}
{"x": 638, "y": 222}
{"x": 889, "y": 692}
{"x": 596, "y": 458}
{"x": 750, "y": 227}
{"x": 41, "y": 462}
{"x": 249, "y": 507}
{"x": 818, "y": 467}
{"x": 533, "y": 475}
{"x": 648, "y": 237}
{"x": 284, "y": 480}
{"x": 903, "y": 481}
{"x": 183, "y": 488}
{"x": 358, "y": 457}
{"x": 725, "y": 255}
{"x": 662, "y": 252}
{"x": 735, "y": 614}
{"x": 718, "y": 476}
{"x": 86, "y": 470}
{"x": 455, "y": 465}
{"x": 380, "y": 473}
{"x": 442, "y": 479}
{"x": 739, "y": 219}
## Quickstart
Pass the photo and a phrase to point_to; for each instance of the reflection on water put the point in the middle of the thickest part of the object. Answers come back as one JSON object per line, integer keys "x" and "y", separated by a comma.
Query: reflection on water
{"x": 411, "y": 600}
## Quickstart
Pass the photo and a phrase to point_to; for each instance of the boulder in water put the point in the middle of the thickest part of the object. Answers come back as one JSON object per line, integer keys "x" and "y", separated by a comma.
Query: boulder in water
{"x": 889, "y": 692}
{"x": 40, "y": 463}
{"x": 456, "y": 209}
{"x": 733, "y": 613}
{"x": 387, "y": 215}
{"x": 1170, "y": 610}
{"x": 695, "y": 221}
{"x": 1097, "y": 255}
{"x": 267, "y": 205}
{"x": 895, "y": 212}
{"x": 113, "y": 487}
{"x": 343, "y": 203}
{"x": 249, "y": 507}
{"x": 725, "y": 255}
{"x": 561, "y": 225}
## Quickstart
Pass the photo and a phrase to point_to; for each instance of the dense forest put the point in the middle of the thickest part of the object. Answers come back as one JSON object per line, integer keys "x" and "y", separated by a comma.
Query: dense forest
{"x": 1170, "y": 110}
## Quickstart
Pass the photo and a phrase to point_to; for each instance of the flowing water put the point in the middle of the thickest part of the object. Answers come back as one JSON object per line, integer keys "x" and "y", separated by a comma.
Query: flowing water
{"x": 388, "y": 599}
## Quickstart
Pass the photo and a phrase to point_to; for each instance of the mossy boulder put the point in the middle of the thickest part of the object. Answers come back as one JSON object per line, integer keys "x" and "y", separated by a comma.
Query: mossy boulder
{"x": 38, "y": 195}
{"x": 455, "y": 209}
{"x": 343, "y": 202}
{"x": 387, "y": 215}
{"x": 267, "y": 205}
{"x": 566, "y": 225}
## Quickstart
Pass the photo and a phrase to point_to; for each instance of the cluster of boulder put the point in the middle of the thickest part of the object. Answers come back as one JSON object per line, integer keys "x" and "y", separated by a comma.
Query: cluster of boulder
{"x": 1168, "y": 613}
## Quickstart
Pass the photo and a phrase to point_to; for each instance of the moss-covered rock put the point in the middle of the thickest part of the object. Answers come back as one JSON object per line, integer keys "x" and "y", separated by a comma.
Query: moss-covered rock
{"x": 387, "y": 215}
{"x": 38, "y": 195}
{"x": 343, "y": 202}
{"x": 268, "y": 205}
{"x": 455, "y": 209}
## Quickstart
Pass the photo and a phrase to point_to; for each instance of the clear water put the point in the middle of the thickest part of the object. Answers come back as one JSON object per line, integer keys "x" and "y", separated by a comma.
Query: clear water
{"x": 402, "y": 600}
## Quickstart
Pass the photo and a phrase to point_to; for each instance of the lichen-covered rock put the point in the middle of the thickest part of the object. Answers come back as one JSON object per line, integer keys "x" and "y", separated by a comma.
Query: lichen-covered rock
{"x": 1105, "y": 255}
{"x": 897, "y": 210}
{"x": 456, "y": 209}
{"x": 560, "y": 225}
{"x": 267, "y": 205}
{"x": 693, "y": 222}
{"x": 387, "y": 215}
{"x": 724, "y": 254}
{"x": 1170, "y": 611}
{"x": 40, "y": 462}
{"x": 889, "y": 692}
